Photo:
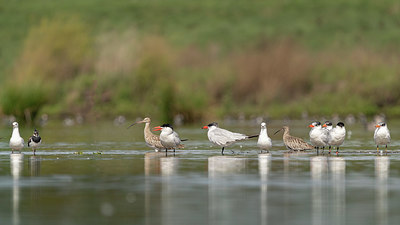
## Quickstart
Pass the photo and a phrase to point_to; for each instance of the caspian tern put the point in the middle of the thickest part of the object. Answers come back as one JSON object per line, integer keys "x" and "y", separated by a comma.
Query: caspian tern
{"x": 327, "y": 128}
{"x": 381, "y": 136}
{"x": 264, "y": 142}
{"x": 168, "y": 137}
{"x": 222, "y": 137}
{"x": 16, "y": 141}
{"x": 336, "y": 136}
{"x": 34, "y": 141}
{"x": 318, "y": 136}
{"x": 294, "y": 143}
{"x": 152, "y": 140}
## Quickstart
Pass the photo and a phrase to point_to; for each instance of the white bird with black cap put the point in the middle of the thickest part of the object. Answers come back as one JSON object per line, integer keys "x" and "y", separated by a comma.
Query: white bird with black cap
{"x": 336, "y": 136}
{"x": 318, "y": 136}
{"x": 381, "y": 136}
{"x": 168, "y": 137}
{"x": 222, "y": 137}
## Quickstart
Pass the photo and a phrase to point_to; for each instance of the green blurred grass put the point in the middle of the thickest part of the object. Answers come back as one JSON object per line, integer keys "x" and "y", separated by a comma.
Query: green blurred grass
{"x": 201, "y": 59}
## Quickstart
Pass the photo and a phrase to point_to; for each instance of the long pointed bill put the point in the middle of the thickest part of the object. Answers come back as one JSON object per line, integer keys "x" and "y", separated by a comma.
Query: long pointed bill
{"x": 377, "y": 126}
{"x": 157, "y": 128}
{"x": 277, "y": 131}
{"x": 324, "y": 125}
{"x": 205, "y": 127}
{"x": 134, "y": 124}
{"x": 310, "y": 125}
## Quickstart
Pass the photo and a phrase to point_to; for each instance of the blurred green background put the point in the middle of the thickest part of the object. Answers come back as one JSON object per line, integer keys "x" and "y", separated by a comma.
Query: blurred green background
{"x": 200, "y": 59}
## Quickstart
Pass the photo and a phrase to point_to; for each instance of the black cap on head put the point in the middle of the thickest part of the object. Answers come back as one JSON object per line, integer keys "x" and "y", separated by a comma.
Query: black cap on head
{"x": 213, "y": 124}
{"x": 340, "y": 124}
{"x": 166, "y": 125}
{"x": 316, "y": 123}
{"x": 328, "y": 123}
{"x": 382, "y": 124}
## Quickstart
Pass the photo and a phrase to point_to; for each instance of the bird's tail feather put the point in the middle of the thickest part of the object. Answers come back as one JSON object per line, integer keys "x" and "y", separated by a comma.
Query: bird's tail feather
{"x": 253, "y": 136}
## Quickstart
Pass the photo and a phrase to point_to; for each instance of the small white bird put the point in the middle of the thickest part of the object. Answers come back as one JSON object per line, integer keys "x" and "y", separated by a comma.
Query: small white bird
{"x": 264, "y": 142}
{"x": 168, "y": 137}
{"x": 336, "y": 136}
{"x": 318, "y": 136}
{"x": 327, "y": 128}
{"x": 16, "y": 141}
{"x": 34, "y": 141}
{"x": 381, "y": 136}
{"x": 222, "y": 137}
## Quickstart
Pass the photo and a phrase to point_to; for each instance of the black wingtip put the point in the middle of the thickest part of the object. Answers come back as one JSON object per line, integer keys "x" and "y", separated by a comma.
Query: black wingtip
{"x": 253, "y": 136}
{"x": 184, "y": 139}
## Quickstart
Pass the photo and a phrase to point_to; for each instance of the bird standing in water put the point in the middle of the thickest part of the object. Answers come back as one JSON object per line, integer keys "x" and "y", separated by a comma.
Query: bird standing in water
{"x": 222, "y": 137}
{"x": 264, "y": 142}
{"x": 294, "y": 143}
{"x": 152, "y": 140}
{"x": 16, "y": 141}
{"x": 336, "y": 136}
{"x": 34, "y": 141}
{"x": 168, "y": 137}
{"x": 318, "y": 136}
{"x": 381, "y": 136}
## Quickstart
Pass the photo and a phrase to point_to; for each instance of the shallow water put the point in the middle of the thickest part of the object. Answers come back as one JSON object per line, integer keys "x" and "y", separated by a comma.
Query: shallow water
{"x": 105, "y": 174}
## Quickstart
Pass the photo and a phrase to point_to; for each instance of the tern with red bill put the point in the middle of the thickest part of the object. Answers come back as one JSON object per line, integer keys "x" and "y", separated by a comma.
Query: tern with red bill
{"x": 152, "y": 140}
{"x": 222, "y": 137}
{"x": 168, "y": 137}
{"x": 318, "y": 136}
{"x": 336, "y": 136}
{"x": 381, "y": 136}
{"x": 328, "y": 128}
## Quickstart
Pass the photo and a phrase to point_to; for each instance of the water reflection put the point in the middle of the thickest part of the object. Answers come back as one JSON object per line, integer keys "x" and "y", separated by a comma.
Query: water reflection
{"x": 338, "y": 194}
{"x": 16, "y": 164}
{"x": 382, "y": 165}
{"x": 319, "y": 169}
{"x": 169, "y": 195}
{"x": 223, "y": 207}
{"x": 152, "y": 197}
{"x": 34, "y": 165}
{"x": 264, "y": 166}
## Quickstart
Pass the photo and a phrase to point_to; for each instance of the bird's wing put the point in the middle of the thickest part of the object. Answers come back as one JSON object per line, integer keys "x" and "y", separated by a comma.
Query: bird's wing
{"x": 153, "y": 141}
{"x": 29, "y": 141}
{"x": 177, "y": 139}
{"x": 222, "y": 136}
{"x": 296, "y": 143}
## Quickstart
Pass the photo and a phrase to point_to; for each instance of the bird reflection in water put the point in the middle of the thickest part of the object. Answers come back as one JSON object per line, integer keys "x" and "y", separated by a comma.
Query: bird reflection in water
{"x": 34, "y": 165}
{"x": 319, "y": 169}
{"x": 16, "y": 164}
{"x": 382, "y": 165}
{"x": 222, "y": 171}
{"x": 264, "y": 166}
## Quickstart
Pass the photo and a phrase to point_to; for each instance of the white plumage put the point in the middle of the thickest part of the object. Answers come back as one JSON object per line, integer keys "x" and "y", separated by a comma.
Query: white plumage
{"x": 264, "y": 141}
{"x": 168, "y": 137}
{"x": 318, "y": 135}
{"x": 336, "y": 136}
{"x": 222, "y": 137}
{"x": 381, "y": 135}
{"x": 16, "y": 141}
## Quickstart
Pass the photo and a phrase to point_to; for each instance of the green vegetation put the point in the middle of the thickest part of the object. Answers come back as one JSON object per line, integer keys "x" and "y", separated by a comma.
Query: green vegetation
{"x": 200, "y": 59}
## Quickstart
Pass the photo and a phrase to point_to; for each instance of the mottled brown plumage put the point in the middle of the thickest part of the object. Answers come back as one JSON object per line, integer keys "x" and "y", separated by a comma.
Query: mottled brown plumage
{"x": 152, "y": 140}
{"x": 294, "y": 143}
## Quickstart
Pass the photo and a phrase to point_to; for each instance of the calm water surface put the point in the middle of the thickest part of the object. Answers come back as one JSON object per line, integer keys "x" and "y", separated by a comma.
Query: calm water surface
{"x": 105, "y": 174}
